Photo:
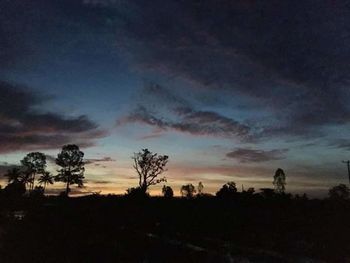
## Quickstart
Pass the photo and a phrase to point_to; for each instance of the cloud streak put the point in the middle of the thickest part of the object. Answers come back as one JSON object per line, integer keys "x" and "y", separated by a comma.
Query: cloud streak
{"x": 244, "y": 155}
{"x": 96, "y": 161}
{"x": 179, "y": 116}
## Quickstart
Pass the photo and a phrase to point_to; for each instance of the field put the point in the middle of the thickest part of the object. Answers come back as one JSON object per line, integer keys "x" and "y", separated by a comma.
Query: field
{"x": 205, "y": 229}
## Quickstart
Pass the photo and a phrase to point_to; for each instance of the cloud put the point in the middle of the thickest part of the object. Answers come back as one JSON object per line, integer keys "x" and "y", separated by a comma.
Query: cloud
{"x": 4, "y": 167}
{"x": 178, "y": 115}
{"x": 293, "y": 64}
{"x": 99, "y": 182}
{"x": 23, "y": 127}
{"x": 249, "y": 155}
{"x": 340, "y": 144}
{"x": 100, "y": 160}
{"x": 289, "y": 60}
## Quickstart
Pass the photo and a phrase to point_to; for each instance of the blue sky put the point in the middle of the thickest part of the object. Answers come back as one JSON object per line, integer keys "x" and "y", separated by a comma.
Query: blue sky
{"x": 230, "y": 91}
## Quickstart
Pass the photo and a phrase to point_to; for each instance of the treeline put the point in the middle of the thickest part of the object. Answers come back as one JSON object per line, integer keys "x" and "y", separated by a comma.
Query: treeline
{"x": 32, "y": 178}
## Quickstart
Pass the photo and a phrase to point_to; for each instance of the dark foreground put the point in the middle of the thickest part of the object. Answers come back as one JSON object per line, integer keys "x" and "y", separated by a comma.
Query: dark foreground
{"x": 117, "y": 229}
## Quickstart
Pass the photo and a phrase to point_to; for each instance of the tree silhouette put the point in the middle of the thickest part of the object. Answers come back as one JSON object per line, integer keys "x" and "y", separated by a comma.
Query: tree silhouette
{"x": 136, "y": 193}
{"x": 167, "y": 191}
{"x": 339, "y": 192}
{"x": 200, "y": 188}
{"x": 251, "y": 190}
{"x": 14, "y": 175}
{"x": 15, "y": 189}
{"x": 33, "y": 163}
{"x": 149, "y": 166}
{"x": 227, "y": 190}
{"x": 37, "y": 192}
{"x": 188, "y": 190}
{"x": 279, "y": 181}
{"x": 70, "y": 159}
{"x": 267, "y": 192}
{"x": 45, "y": 179}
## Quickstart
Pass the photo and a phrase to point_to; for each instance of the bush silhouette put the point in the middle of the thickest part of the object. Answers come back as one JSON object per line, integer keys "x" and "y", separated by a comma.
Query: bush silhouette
{"x": 188, "y": 191}
{"x": 339, "y": 192}
{"x": 228, "y": 190}
{"x": 167, "y": 191}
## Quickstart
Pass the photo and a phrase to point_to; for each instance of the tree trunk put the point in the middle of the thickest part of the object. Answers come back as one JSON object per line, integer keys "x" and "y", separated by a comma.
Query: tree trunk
{"x": 32, "y": 185}
{"x": 144, "y": 187}
{"x": 67, "y": 189}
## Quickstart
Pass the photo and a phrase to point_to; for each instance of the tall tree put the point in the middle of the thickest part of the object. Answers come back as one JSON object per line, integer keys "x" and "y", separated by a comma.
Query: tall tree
{"x": 45, "y": 179}
{"x": 149, "y": 166}
{"x": 70, "y": 159}
{"x": 279, "y": 181}
{"x": 33, "y": 163}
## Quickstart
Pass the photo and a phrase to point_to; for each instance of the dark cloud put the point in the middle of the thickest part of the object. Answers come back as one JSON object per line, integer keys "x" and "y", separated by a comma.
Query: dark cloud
{"x": 178, "y": 115}
{"x": 95, "y": 161}
{"x": 100, "y": 182}
{"x": 249, "y": 155}
{"x": 340, "y": 144}
{"x": 24, "y": 127}
{"x": 4, "y": 167}
{"x": 99, "y": 160}
{"x": 290, "y": 59}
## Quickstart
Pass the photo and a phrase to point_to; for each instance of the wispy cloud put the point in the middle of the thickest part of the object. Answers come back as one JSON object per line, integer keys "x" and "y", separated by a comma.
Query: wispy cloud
{"x": 286, "y": 66}
{"x": 343, "y": 144}
{"x": 99, "y": 160}
{"x": 179, "y": 116}
{"x": 245, "y": 155}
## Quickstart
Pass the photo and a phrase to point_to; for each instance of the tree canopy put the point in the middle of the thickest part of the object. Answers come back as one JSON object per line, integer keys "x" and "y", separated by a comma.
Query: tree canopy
{"x": 33, "y": 163}
{"x": 279, "y": 181}
{"x": 227, "y": 190}
{"x": 188, "y": 190}
{"x": 70, "y": 159}
{"x": 167, "y": 191}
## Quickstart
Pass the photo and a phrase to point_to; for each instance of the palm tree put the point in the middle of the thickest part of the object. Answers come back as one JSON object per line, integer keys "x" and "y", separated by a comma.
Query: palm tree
{"x": 27, "y": 179}
{"x": 14, "y": 175}
{"x": 45, "y": 179}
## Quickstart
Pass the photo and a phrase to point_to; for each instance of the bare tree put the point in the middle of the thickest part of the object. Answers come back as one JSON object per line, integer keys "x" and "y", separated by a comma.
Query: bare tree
{"x": 149, "y": 166}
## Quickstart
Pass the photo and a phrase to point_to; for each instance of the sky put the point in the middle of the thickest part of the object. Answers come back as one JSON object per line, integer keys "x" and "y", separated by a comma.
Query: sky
{"x": 229, "y": 90}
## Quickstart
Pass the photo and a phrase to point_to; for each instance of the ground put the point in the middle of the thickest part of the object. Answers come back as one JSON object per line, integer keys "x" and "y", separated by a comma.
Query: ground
{"x": 207, "y": 229}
